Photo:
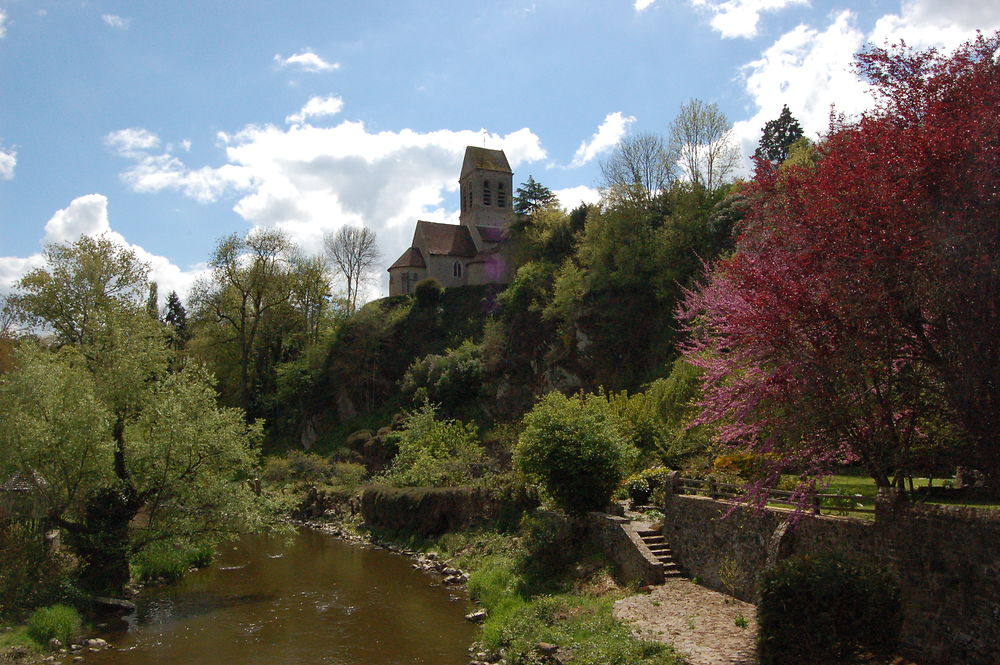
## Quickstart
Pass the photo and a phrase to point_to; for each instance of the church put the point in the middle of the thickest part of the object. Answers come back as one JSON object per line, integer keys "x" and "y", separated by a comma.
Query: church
{"x": 473, "y": 251}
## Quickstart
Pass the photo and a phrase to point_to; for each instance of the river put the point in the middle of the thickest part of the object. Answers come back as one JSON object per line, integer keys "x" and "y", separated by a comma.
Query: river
{"x": 309, "y": 598}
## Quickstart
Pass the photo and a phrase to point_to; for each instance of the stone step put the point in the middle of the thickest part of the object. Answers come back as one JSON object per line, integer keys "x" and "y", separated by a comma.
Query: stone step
{"x": 650, "y": 540}
{"x": 648, "y": 532}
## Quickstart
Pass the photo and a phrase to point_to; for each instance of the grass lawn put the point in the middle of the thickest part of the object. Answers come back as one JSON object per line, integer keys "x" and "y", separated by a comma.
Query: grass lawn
{"x": 865, "y": 486}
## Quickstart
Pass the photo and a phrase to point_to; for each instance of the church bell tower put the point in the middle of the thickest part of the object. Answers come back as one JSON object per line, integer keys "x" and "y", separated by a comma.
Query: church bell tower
{"x": 485, "y": 187}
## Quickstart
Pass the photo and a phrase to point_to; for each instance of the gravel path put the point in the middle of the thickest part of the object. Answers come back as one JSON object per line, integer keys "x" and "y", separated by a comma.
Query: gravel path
{"x": 700, "y": 623}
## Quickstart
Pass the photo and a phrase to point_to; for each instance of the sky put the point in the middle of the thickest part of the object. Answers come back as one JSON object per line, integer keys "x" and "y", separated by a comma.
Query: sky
{"x": 170, "y": 125}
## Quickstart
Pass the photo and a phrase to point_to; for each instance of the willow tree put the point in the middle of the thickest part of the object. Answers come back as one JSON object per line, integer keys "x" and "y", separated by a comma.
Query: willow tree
{"x": 107, "y": 433}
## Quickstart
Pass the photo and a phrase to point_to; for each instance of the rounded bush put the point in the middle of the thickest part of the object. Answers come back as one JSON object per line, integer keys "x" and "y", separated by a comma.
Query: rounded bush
{"x": 58, "y": 621}
{"x": 427, "y": 292}
{"x": 823, "y": 610}
{"x": 639, "y": 486}
{"x": 571, "y": 446}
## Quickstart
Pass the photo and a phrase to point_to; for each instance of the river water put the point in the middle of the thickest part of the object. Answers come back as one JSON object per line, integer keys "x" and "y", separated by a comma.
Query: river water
{"x": 308, "y": 599}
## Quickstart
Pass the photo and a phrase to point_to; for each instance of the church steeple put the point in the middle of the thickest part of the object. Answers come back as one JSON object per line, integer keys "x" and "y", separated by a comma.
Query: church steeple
{"x": 485, "y": 187}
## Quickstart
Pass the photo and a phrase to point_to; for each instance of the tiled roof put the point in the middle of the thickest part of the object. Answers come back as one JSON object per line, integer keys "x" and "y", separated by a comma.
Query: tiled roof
{"x": 484, "y": 158}
{"x": 451, "y": 239}
{"x": 411, "y": 258}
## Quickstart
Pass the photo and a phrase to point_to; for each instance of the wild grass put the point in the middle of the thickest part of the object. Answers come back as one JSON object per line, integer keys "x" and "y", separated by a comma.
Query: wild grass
{"x": 168, "y": 562}
{"x": 59, "y": 622}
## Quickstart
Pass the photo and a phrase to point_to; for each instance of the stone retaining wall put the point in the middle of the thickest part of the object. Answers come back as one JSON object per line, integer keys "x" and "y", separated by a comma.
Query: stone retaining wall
{"x": 619, "y": 539}
{"x": 946, "y": 559}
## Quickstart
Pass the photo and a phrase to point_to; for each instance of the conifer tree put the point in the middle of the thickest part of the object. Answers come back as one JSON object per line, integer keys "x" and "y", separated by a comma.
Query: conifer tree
{"x": 777, "y": 136}
{"x": 533, "y": 196}
{"x": 176, "y": 318}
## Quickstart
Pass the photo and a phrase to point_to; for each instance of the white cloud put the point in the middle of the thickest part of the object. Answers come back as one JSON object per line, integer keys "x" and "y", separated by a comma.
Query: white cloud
{"x": 642, "y": 4}
{"x": 605, "y": 138}
{"x": 308, "y": 61}
{"x": 740, "y": 18}
{"x": 85, "y": 215}
{"x": 88, "y": 215}
{"x": 811, "y": 70}
{"x": 930, "y": 23}
{"x": 808, "y": 70}
{"x": 116, "y": 21}
{"x": 308, "y": 180}
{"x": 317, "y": 107}
{"x": 8, "y": 160}
{"x": 572, "y": 197}
{"x": 3, "y": 24}
{"x": 132, "y": 141}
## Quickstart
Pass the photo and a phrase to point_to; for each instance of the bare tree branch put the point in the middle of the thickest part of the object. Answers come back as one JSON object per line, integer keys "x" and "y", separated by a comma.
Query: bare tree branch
{"x": 352, "y": 251}
{"x": 701, "y": 140}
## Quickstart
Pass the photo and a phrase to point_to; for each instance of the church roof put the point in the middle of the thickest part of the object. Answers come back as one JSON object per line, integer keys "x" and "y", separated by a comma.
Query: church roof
{"x": 411, "y": 258}
{"x": 451, "y": 239}
{"x": 484, "y": 158}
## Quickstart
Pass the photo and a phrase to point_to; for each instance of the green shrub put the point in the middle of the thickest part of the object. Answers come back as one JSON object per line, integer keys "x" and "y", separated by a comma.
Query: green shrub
{"x": 348, "y": 474}
{"x": 58, "y": 621}
{"x": 449, "y": 380}
{"x": 169, "y": 561}
{"x": 427, "y": 292}
{"x": 639, "y": 487}
{"x": 29, "y": 570}
{"x": 297, "y": 467}
{"x": 434, "y": 453}
{"x": 823, "y": 610}
{"x": 571, "y": 446}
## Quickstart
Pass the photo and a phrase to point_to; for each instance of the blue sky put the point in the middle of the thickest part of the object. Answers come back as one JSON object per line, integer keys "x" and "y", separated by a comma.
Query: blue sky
{"x": 172, "y": 124}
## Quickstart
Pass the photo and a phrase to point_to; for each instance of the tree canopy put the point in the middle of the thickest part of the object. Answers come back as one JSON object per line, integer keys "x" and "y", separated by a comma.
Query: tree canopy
{"x": 857, "y": 318}
{"x": 109, "y": 431}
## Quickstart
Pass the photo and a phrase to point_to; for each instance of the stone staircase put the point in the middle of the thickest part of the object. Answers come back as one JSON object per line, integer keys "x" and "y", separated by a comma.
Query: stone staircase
{"x": 660, "y": 549}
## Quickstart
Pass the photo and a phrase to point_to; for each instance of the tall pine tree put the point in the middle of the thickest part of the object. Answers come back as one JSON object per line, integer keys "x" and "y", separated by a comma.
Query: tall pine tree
{"x": 176, "y": 318}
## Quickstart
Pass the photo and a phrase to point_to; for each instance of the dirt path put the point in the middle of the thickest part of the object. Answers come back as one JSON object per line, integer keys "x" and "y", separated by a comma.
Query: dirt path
{"x": 700, "y": 623}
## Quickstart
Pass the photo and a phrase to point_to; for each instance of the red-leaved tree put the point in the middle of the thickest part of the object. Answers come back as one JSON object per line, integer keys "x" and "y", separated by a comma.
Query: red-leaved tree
{"x": 859, "y": 317}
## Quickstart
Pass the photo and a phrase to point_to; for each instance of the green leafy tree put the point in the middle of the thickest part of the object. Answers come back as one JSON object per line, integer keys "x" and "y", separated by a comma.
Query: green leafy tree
{"x": 250, "y": 279}
{"x": 777, "y": 137}
{"x": 111, "y": 433}
{"x": 153, "y": 302}
{"x": 533, "y": 196}
{"x": 80, "y": 281}
{"x": 572, "y": 447}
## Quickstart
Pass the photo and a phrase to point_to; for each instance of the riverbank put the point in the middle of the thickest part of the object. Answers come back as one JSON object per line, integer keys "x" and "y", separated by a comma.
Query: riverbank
{"x": 544, "y": 595}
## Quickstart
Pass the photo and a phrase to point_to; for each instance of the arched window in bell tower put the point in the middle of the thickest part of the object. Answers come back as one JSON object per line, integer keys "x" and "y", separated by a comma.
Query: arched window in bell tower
{"x": 456, "y": 270}
{"x": 501, "y": 196}
{"x": 487, "y": 196}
